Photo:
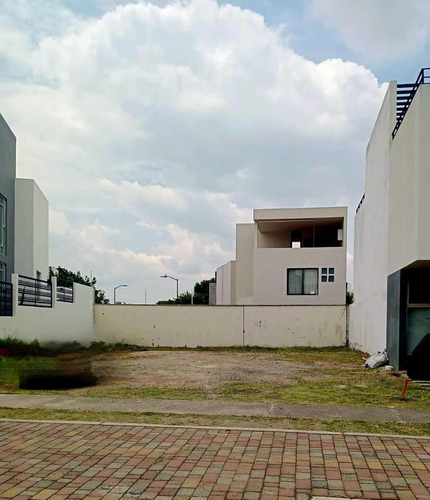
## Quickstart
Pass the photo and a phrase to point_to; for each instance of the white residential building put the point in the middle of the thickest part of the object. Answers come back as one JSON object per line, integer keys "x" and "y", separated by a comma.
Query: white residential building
{"x": 23, "y": 217}
{"x": 30, "y": 306}
{"x": 31, "y": 229}
{"x": 294, "y": 256}
{"x": 392, "y": 229}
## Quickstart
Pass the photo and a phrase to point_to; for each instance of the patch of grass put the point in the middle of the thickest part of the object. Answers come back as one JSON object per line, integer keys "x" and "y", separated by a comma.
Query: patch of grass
{"x": 145, "y": 393}
{"x": 384, "y": 393}
{"x": 11, "y": 368}
{"x": 220, "y": 421}
{"x": 315, "y": 351}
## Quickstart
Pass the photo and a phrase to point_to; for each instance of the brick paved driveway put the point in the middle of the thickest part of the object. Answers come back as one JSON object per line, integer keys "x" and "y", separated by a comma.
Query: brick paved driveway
{"x": 74, "y": 460}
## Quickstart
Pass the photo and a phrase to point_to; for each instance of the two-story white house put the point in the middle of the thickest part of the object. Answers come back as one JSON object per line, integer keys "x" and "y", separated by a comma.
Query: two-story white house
{"x": 288, "y": 256}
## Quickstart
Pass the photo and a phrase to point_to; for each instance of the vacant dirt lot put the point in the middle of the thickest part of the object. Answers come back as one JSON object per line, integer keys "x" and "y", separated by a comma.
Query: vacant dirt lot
{"x": 191, "y": 369}
{"x": 333, "y": 376}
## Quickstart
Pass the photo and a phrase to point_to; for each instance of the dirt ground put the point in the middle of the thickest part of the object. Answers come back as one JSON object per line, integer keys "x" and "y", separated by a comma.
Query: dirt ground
{"x": 191, "y": 369}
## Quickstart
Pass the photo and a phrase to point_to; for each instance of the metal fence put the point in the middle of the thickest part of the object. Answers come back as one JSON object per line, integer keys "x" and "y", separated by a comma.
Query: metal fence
{"x": 33, "y": 292}
{"x": 405, "y": 95}
{"x": 6, "y": 299}
{"x": 65, "y": 294}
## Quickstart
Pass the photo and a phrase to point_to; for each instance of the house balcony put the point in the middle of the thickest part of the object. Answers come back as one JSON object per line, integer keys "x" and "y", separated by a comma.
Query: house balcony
{"x": 301, "y": 233}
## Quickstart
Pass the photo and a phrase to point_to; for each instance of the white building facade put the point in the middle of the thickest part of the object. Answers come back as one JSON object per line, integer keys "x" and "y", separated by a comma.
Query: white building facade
{"x": 392, "y": 230}
{"x": 24, "y": 240}
{"x": 31, "y": 230}
{"x": 287, "y": 257}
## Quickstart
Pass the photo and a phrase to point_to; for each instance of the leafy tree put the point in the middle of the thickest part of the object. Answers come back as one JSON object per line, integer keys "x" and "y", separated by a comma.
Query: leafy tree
{"x": 183, "y": 298}
{"x": 201, "y": 291}
{"x": 201, "y": 295}
{"x": 67, "y": 278}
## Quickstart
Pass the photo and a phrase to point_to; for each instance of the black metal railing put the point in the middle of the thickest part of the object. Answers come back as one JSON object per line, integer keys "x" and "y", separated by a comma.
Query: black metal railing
{"x": 361, "y": 202}
{"x": 33, "y": 292}
{"x": 405, "y": 95}
{"x": 64, "y": 294}
{"x": 6, "y": 298}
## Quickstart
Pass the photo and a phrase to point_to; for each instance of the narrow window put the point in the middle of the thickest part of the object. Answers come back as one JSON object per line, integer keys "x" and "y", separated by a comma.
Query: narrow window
{"x": 2, "y": 225}
{"x": 2, "y": 271}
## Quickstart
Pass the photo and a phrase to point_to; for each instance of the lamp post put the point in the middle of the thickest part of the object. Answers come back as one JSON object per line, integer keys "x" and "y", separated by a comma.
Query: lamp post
{"x": 177, "y": 283}
{"x": 114, "y": 293}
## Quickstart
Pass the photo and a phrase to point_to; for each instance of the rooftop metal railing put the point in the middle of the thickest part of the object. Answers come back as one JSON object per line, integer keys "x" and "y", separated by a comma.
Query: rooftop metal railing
{"x": 405, "y": 95}
{"x": 361, "y": 202}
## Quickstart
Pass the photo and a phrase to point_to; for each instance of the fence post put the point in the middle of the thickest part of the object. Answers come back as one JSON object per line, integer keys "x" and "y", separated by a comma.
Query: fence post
{"x": 54, "y": 291}
{"x": 15, "y": 296}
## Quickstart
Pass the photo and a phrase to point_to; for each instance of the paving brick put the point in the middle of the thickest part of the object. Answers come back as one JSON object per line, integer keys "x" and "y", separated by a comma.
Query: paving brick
{"x": 90, "y": 461}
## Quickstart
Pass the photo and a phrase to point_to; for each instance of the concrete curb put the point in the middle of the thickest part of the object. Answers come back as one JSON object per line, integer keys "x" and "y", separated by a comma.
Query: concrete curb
{"x": 231, "y": 428}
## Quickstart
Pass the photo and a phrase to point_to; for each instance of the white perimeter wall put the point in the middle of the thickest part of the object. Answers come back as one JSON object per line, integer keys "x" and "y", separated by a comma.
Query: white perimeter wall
{"x": 192, "y": 326}
{"x": 63, "y": 322}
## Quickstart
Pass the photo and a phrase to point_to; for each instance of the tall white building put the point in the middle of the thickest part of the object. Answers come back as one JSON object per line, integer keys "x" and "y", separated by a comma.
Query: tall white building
{"x": 23, "y": 217}
{"x": 392, "y": 227}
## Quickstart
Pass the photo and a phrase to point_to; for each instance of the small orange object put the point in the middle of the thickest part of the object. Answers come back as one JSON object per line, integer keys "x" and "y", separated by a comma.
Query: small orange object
{"x": 404, "y": 387}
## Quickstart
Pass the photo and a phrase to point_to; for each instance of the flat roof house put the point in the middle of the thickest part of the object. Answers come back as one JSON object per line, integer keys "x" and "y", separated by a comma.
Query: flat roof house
{"x": 288, "y": 256}
{"x": 392, "y": 229}
{"x": 23, "y": 217}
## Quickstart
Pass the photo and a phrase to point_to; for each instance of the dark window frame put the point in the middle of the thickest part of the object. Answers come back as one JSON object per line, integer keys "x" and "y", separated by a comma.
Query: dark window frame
{"x": 3, "y": 271}
{"x": 3, "y": 226}
{"x": 327, "y": 274}
{"x": 303, "y": 280}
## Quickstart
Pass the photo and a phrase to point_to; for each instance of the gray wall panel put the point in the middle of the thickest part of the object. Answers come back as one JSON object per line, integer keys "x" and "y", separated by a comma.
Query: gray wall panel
{"x": 7, "y": 189}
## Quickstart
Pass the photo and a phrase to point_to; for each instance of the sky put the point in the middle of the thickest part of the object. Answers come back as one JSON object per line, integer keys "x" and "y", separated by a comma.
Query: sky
{"x": 154, "y": 127}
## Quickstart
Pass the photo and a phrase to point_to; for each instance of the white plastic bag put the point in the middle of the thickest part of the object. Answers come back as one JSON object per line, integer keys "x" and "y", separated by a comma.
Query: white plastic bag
{"x": 377, "y": 360}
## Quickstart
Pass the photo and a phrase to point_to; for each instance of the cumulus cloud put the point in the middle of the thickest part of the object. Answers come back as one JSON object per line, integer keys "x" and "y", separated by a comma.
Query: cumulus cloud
{"x": 154, "y": 129}
{"x": 377, "y": 30}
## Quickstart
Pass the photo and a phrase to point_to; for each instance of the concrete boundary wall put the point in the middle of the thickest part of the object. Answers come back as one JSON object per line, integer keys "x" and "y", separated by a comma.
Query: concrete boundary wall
{"x": 209, "y": 326}
{"x": 64, "y": 322}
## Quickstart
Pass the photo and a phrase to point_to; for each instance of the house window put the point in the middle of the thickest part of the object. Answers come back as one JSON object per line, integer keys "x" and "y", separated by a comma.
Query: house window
{"x": 327, "y": 274}
{"x": 2, "y": 225}
{"x": 302, "y": 281}
{"x": 2, "y": 271}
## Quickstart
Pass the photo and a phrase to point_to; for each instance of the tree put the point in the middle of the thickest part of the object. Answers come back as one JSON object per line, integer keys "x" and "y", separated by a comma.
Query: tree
{"x": 201, "y": 291}
{"x": 200, "y": 296}
{"x": 67, "y": 278}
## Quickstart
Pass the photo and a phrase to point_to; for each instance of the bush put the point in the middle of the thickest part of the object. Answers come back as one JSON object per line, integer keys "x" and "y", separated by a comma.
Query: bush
{"x": 56, "y": 347}
{"x": 19, "y": 347}
{"x": 101, "y": 347}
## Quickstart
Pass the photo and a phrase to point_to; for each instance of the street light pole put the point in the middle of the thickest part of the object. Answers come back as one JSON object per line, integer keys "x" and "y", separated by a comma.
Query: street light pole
{"x": 114, "y": 293}
{"x": 177, "y": 284}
